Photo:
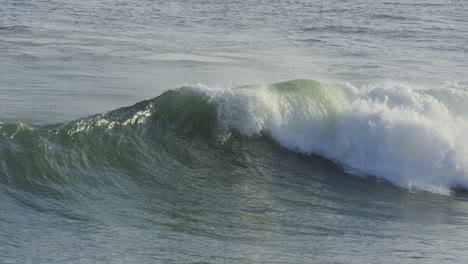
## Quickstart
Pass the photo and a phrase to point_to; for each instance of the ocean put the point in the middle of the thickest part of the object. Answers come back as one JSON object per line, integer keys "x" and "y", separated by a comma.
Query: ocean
{"x": 296, "y": 131}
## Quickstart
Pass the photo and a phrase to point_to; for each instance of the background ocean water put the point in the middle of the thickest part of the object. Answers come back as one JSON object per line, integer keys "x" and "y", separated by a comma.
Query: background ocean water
{"x": 370, "y": 169}
{"x": 63, "y": 60}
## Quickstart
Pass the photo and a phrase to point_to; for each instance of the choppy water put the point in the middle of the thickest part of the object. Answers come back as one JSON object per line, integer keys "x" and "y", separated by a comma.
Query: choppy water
{"x": 367, "y": 165}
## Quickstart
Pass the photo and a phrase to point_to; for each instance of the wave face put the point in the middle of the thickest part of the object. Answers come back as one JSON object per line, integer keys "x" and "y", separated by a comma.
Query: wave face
{"x": 413, "y": 138}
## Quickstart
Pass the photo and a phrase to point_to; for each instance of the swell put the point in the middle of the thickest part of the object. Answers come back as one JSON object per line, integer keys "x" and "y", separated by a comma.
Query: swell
{"x": 409, "y": 137}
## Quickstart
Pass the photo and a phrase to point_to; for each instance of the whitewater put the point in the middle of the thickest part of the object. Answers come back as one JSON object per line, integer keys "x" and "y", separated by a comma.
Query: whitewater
{"x": 393, "y": 131}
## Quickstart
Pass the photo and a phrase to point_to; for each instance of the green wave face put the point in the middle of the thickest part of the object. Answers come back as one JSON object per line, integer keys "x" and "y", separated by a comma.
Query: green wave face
{"x": 317, "y": 101}
{"x": 181, "y": 129}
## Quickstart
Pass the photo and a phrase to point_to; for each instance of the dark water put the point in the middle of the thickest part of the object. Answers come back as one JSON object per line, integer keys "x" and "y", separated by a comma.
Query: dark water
{"x": 369, "y": 165}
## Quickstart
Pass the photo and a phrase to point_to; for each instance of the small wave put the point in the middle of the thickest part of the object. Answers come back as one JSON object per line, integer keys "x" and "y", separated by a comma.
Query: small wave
{"x": 13, "y": 28}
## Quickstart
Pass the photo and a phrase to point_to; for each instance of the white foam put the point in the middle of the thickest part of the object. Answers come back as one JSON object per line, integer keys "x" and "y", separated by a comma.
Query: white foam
{"x": 391, "y": 131}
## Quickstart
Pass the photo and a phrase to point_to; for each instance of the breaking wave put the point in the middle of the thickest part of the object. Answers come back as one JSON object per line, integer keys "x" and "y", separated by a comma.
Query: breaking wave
{"x": 413, "y": 138}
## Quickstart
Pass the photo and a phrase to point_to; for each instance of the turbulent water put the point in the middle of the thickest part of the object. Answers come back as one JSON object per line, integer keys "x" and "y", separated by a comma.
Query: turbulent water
{"x": 324, "y": 132}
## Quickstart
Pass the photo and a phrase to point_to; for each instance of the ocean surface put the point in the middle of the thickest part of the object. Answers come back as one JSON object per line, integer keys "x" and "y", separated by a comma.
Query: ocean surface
{"x": 180, "y": 131}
